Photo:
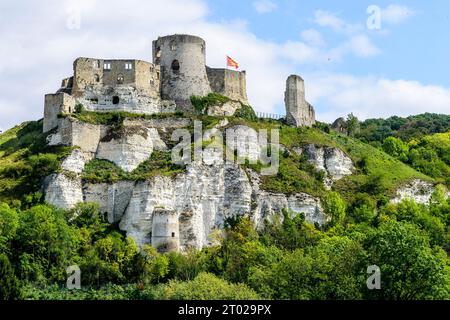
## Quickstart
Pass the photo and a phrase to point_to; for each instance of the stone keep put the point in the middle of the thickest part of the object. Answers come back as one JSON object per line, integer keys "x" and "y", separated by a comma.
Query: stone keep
{"x": 183, "y": 67}
{"x": 298, "y": 111}
{"x": 165, "y": 230}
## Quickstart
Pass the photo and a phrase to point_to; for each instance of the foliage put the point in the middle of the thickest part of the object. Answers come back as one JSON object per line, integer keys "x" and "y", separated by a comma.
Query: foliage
{"x": 246, "y": 112}
{"x": 159, "y": 163}
{"x": 201, "y": 104}
{"x": 9, "y": 284}
{"x": 206, "y": 287}
{"x": 25, "y": 160}
{"x": 353, "y": 126}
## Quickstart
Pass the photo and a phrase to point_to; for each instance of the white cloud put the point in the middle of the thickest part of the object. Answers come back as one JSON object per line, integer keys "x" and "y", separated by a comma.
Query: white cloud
{"x": 313, "y": 37}
{"x": 327, "y": 19}
{"x": 395, "y": 14}
{"x": 369, "y": 97}
{"x": 264, "y": 6}
{"x": 361, "y": 46}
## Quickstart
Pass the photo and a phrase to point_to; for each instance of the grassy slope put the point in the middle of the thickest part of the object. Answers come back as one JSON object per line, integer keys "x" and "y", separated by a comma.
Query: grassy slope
{"x": 377, "y": 172}
{"x": 25, "y": 160}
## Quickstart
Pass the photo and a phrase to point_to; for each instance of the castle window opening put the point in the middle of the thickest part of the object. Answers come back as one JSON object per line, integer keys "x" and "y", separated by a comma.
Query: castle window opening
{"x": 97, "y": 78}
{"x": 97, "y": 64}
{"x": 173, "y": 46}
{"x": 173, "y": 234}
{"x": 175, "y": 66}
{"x": 158, "y": 52}
{"x": 115, "y": 100}
{"x": 157, "y": 75}
{"x": 120, "y": 79}
{"x": 128, "y": 66}
{"x": 107, "y": 66}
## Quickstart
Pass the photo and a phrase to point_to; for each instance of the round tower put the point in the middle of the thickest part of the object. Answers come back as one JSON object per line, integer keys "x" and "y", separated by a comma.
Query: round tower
{"x": 165, "y": 230}
{"x": 183, "y": 67}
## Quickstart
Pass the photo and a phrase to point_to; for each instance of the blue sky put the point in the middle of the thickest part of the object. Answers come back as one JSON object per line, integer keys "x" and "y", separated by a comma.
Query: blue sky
{"x": 402, "y": 68}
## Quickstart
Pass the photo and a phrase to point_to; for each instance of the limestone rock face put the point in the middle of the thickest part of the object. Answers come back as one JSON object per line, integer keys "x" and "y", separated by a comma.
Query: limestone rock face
{"x": 63, "y": 191}
{"x": 76, "y": 161}
{"x": 112, "y": 198}
{"x": 246, "y": 142}
{"x": 333, "y": 161}
{"x": 127, "y": 149}
{"x": 418, "y": 190}
{"x": 269, "y": 204}
{"x": 227, "y": 109}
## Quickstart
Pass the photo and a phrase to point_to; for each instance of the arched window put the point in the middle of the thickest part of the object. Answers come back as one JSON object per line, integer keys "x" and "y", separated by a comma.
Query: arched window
{"x": 175, "y": 66}
{"x": 120, "y": 79}
{"x": 97, "y": 78}
{"x": 173, "y": 46}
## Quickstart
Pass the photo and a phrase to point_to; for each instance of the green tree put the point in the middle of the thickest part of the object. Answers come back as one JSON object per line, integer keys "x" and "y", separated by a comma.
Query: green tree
{"x": 155, "y": 266}
{"x": 353, "y": 125}
{"x": 396, "y": 148}
{"x": 410, "y": 269}
{"x": 335, "y": 207}
{"x": 9, "y": 284}
{"x": 9, "y": 223}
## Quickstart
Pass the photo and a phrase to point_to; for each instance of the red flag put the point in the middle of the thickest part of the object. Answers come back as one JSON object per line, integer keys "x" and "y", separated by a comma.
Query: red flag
{"x": 232, "y": 63}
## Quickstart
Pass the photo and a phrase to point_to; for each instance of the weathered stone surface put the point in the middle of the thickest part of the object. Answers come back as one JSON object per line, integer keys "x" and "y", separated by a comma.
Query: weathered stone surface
{"x": 225, "y": 110}
{"x": 267, "y": 204}
{"x": 418, "y": 190}
{"x": 298, "y": 111}
{"x": 333, "y": 161}
{"x": 112, "y": 198}
{"x": 245, "y": 141}
{"x": 76, "y": 161}
{"x": 63, "y": 191}
{"x": 127, "y": 149}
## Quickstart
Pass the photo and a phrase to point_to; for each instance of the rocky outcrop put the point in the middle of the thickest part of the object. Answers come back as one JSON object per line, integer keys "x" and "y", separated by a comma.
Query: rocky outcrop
{"x": 418, "y": 190}
{"x": 127, "y": 148}
{"x": 226, "y": 109}
{"x": 333, "y": 161}
{"x": 63, "y": 191}
{"x": 267, "y": 204}
{"x": 203, "y": 197}
{"x": 76, "y": 161}
{"x": 112, "y": 198}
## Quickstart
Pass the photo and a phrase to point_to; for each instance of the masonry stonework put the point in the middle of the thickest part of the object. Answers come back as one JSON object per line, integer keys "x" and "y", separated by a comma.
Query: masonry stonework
{"x": 298, "y": 111}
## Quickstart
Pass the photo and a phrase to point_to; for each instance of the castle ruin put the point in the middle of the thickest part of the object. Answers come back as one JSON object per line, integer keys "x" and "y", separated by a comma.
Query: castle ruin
{"x": 298, "y": 111}
{"x": 178, "y": 71}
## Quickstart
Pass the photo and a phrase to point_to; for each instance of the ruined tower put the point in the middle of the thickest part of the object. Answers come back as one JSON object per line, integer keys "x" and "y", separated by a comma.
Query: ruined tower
{"x": 165, "y": 230}
{"x": 183, "y": 67}
{"x": 298, "y": 111}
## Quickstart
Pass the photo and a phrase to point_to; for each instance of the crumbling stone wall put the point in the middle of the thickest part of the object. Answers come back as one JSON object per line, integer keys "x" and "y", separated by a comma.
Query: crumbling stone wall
{"x": 55, "y": 104}
{"x": 298, "y": 111}
{"x": 229, "y": 83}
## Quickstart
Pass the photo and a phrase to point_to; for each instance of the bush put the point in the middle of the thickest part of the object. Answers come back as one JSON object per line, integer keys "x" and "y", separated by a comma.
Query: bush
{"x": 201, "y": 104}
{"x": 205, "y": 287}
{"x": 9, "y": 284}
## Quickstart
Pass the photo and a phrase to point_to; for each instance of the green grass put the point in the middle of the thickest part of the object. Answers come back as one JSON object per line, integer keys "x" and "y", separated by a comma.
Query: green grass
{"x": 377, "y": 173}
{"x": 117, "y": 117}
{"x": 25, "y": 160}
{"x": 159, "y": 164}
{"x": 201, "y": 104}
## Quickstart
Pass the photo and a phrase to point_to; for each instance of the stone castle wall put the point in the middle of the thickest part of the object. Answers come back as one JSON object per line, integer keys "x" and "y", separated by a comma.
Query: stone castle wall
{"x": 55, "y": 104}
{"x": 229, "y": 83}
